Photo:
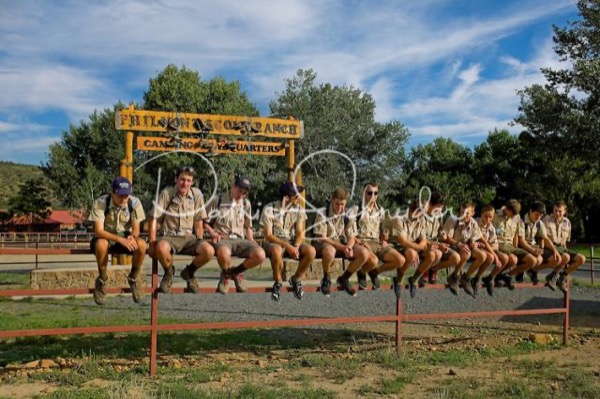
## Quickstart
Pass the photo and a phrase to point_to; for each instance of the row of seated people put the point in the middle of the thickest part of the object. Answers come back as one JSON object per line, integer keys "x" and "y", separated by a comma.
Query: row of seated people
{"x": 371, "y": 239}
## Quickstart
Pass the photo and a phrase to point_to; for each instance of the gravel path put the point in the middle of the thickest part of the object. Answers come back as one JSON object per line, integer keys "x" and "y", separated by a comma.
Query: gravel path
{"x": 585, "y": 302}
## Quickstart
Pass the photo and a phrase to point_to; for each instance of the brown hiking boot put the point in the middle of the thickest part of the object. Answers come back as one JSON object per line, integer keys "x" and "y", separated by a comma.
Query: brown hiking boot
{"x": 551, "y": 280}
{"x": 465, "y": 284}
{"x": 188, "y": 275}
{"x": 99, "y": 293}
{"x": 223, "y": 286}
{"x": 240, "y": 283}
{"x": 167, "y": 281}
{"x": 453, "y": 283}
{"x": 136, "y": 294}
{"x": 561, "y": 282}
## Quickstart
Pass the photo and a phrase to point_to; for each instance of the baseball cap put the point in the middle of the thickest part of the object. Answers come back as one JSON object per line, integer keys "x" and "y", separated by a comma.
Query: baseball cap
{"x": 289, "y": 189}
{"x": 243, "y": 182}
{"x": 121, "y": 186}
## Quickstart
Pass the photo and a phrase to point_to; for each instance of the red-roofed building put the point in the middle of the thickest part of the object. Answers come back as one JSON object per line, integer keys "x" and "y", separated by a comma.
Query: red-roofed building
{"x": 58, "y": 220}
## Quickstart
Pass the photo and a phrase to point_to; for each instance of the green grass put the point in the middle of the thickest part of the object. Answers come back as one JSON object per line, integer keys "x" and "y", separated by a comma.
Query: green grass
{"x": 14, "y": 281}
{"x": 584, "y": 249}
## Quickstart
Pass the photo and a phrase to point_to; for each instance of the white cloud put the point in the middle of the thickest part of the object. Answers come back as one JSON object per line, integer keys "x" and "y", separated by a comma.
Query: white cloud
{"x": 477, "y": 106}
{"x": 15, "y": 127}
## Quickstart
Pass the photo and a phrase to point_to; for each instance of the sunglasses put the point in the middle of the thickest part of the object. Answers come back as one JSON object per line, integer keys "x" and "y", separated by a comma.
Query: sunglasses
{"x": 372, "y": 192}
{"x": 186, "y": 169}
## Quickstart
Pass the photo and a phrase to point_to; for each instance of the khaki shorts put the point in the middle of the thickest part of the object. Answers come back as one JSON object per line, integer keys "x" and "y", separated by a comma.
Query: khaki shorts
{"x": 379, "y": 250}
{"x": 182, "y": 245}
{"x": 510, "y": 249}
{"x": 319, "y": 246}
{"x": 446, "y": 255}
{"x": 563, "y": 250}
{"x": 239, "y": 247}
{"x": 268, "y": 247}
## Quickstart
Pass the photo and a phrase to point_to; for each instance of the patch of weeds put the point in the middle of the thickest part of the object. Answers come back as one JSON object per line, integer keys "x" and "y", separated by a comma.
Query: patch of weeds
{"x": 246, "y": 391}
{"x": 511, "y": 388}
{"x": 62, "y": 378}
{"x": 334, "y": 367}
{"x": 302, "y": 378}
{"x": 88, "y": 393}
{"x": 395, "y": 385}
{"x": 390, "y": 359}
{"x": 570, "y": 380}
{"x": 366, "y": 390}
{"x": 467, "y": 388}
{"x": 582, "y": 384}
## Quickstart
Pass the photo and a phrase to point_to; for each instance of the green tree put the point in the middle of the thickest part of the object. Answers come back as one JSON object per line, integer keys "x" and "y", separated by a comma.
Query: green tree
{"x": 340, "y": 119}
{"x": 444, "y": 166}
{"x": 81, "y": 166}
{"x": 562, "y": 117}
{"x": 32, "y": 200}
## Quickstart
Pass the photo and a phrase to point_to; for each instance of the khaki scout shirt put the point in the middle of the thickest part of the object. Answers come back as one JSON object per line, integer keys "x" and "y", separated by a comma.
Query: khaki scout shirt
{"x": 403, "y": 226}
{"x": 533, "y": 231}
{"x": 283, "y": 223}
{"x": 118, "y": 220}
{"x": 506, "y": 228}
{"x": 230, "y": 218}
{"x": 369, "y": 222}
{"x": 333, "y": 226}
{"x": 488, "y": 232}
{"x": 462, "y": 231}
{"x": 176, "y": 214}
{"x": 559, "y": 232}
{"x": 431, "y": 226}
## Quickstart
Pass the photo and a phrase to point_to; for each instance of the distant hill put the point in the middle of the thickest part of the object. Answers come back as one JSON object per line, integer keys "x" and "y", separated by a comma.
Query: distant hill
{"x": 11, "y": 175}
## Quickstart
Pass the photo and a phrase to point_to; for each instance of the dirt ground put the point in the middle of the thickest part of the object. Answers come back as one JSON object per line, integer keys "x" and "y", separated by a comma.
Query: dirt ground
{"x": 470, "y": 335}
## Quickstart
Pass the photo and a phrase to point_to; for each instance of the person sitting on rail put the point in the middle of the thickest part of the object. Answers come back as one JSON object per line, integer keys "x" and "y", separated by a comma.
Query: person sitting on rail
{"x": 445, "y": 257}
{"x": 490, "y": 245}
{"x": 509, "y": 232}
{"x": 335, "y": 237}
{"x": 407, "y": 235}
{"x": 117, "y": 217}
{"x": 536, "y": 242}
{"x": 176, "y": 227}
{"x": 370, "y": 218}
{"x": 230, "y": 228}
{"x": 283, "y": 224}
{"x": 464, "y": 236}
{"x": 558, "y": 227}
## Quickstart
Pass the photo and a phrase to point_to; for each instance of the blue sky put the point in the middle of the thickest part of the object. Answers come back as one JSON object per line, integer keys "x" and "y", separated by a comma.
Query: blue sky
{"x": 442, "y": 67}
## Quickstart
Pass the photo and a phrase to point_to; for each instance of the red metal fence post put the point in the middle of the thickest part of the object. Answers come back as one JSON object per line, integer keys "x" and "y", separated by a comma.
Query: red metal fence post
{"x": 154, "y": 319}
{"x": 398, "y": 323}
{"x": 567, "y": 306}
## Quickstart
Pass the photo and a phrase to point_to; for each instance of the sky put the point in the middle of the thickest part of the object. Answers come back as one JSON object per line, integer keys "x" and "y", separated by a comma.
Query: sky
{"x": 447, "y": 68}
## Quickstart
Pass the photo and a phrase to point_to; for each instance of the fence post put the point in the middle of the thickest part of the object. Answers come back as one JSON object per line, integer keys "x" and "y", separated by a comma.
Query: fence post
{"x": 592, "y": 263}
{"x": 154, "y": 319}
{"x": 398, "y": 323}
{"x": 567, "y": 306}
{"x": 36, "y": 255}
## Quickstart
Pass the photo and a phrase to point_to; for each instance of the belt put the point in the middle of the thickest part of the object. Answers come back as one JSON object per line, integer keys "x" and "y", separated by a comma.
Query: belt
{"x": 178, "y": 233}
